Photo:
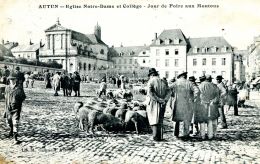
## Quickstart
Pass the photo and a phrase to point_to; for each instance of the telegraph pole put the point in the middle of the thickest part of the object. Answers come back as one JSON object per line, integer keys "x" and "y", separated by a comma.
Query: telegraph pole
{"x": 66, "y": 52}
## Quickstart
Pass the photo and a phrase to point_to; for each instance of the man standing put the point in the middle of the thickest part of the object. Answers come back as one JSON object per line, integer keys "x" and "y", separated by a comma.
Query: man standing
{"x": 14, "y": 97}
{"x": 182, "y": 110}
{"x": 157, "y": 97}
{"x": 20, "y": 76}
{"x": 208, "y": 115}
{"x": 222, "y": 101}
{"x": 195, "y": 105}
{"x": 76, "y": 85}
{"x": 64, "y": 82}
{"x": 56, "y": 83}
{"x": 6, "y": 73}
{"x": 47, "y": 79}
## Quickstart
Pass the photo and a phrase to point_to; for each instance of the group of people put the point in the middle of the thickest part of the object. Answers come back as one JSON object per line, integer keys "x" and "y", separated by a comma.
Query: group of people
{"x": 67, "y": 82}
{"x": 195, "y": 108}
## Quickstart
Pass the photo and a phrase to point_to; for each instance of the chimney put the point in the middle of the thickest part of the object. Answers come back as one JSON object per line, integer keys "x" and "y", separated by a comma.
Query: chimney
{"x": 3, "y": 42}
{"x": 121, "y": 45}
{"x": 30, "y": 42}
{"x": 40, "y": 43}
{"x": 155, "y": 37}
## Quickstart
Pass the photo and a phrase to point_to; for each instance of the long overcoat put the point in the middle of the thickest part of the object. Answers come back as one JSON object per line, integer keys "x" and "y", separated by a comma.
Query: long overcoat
{"x": 209, "y": 96}
{"x": 157, "y": 90}
{"x": 183, "y": 93}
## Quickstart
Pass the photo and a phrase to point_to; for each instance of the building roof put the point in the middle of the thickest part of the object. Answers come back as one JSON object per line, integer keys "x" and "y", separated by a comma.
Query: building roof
{"x": 86, "y": 38}
{"x": 208, "y": 42}
{"x": 127, "y": 51}
{"x": 4, "y": 51}
{"x": 26, "y": 48}
{"x": 10, "y": 45}
{"x": 171, "y": 34}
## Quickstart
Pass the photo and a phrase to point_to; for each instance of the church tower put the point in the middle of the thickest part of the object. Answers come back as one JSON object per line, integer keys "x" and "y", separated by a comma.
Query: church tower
{"x": 97, "y": 31}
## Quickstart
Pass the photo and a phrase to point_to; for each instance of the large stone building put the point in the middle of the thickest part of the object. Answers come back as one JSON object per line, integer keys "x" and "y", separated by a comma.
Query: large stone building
{"x": 168, "y": 53}
{"x": 74, "y": 50}
{"x": 254, "y": 59}
{"x": 210, "y": 55}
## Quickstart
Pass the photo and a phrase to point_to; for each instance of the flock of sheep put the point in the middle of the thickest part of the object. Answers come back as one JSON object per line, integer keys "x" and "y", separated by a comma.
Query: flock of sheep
{"x": 119, "y": 114}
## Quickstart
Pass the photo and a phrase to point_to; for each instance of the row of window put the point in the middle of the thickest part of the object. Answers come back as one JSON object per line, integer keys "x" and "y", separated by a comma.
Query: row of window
{"x": 85, "y": 66}
{"x": 167, "y": 63}
{"x": 24, "y": 56}
{"x": 206, "y": 49}
{"x": 167, "y": 52}
{"x": 125, "y": 67}
{"x": 130, "y": 61}
{"x": 213, "y": 61}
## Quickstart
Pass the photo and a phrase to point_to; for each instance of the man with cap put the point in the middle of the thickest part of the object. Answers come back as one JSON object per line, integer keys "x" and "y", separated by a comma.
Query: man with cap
{"x": 157, "y": 96}
{"x": 182, "y": 108}
{"x": 14, "y": 97}
{"x": 222, "y": 100}
{"x": 6, "y": 73}
{"x": 20, "y": 76}
{"x": 208, "y": 114}
{"x": 76, "y": 85}
{"x": 196, "y": 104}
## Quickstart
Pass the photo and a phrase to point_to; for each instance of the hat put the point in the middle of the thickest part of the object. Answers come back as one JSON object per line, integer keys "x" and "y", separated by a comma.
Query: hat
{"x": 208, "y": 77}
{"x": 152, "y": 71}
{"x": 13, "y": 76}
{"x": 182, "y": 74}
{"x": 5, "y": 66}
{"x": 17, "y": 68}
{"x": 202, "y": 78}
{"x": 219, "y": 77}
{"x": 173, "y": 80}
{"x": 192, "y": 78}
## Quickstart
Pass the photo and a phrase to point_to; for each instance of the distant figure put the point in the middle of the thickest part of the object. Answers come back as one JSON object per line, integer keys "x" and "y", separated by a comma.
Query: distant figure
{"x": 103, "y": 88}
{"x": 31, "y": 79}
{"x": 76, "y": 86}
{"x": 6, "y": 73}
{"x": 26, "y": 76}
{"x": 20, "y": 76}
{"x": 70, "y": 84}
{"x": 56, "y": 83}
{"x": 118, "y": 82}
{"x": 47, "y": 79}
{"x": 64, "y": 83}
{"x": 232, "y": 98}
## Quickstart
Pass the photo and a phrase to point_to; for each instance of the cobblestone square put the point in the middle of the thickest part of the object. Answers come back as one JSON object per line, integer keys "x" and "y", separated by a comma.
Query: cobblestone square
{"x": 49, "y": 134}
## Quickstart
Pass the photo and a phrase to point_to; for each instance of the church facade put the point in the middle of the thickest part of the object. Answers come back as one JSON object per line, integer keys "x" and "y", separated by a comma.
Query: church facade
{"x": 74, "y": 50}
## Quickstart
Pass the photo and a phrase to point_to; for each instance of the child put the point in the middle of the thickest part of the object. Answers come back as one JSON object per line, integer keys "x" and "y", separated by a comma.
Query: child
{"x": 14, "y": 97}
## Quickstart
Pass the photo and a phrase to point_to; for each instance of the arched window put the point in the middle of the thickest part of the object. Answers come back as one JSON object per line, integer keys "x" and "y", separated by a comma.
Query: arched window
{"x": 80, "y": 65}
{"x": 89, "y": 67}
{"x": 85, "y": 66}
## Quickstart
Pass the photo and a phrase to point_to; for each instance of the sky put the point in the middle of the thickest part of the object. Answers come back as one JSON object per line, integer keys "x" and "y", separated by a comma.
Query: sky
{"x": 22, "y": 20}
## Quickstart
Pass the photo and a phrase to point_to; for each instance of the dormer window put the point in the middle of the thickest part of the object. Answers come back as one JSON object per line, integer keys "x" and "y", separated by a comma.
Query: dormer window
{"x": 158, "y": 42}
{"x": 176, "y": 41}
{"x": 214, "y": 49}
{"x": 167, "y": 41}
{"x": 224, "y": 49}
{"x": 195, "y": 49}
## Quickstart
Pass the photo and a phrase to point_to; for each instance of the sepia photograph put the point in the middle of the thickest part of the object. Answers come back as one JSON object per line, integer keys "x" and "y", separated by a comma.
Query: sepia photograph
{"x": 129, "y": 81}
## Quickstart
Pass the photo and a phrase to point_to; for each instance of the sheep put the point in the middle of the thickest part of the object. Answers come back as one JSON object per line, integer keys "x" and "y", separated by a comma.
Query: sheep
{"x": 94, "y": 117}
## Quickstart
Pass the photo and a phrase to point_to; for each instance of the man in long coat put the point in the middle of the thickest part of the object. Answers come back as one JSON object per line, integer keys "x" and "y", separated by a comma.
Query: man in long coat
{"x": 157, "y": 97}
{"x": 56, "y": 83}
{"x": 14, "y": 97}
{"x": 64, "y": 82}
{"x": 222, "y": 101}
{"x": 208, "y": 115}
{"x": 182, "y": 110}
{"x": 195, "y": 105}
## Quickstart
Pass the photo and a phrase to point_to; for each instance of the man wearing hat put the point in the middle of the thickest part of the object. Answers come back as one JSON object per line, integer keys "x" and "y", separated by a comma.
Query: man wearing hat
{"x": 208, "y": 114}
{"x": 6, "y": 73}
{"x": 20, "y": 76}
{"x": 76, "y": 85}
{"x": 182, "y": 110}
{"x": 157, "y": 96}
{"x": 14, "y": 97}
{"x": 196, "y": 105}
{"x": 222, "y": 100}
